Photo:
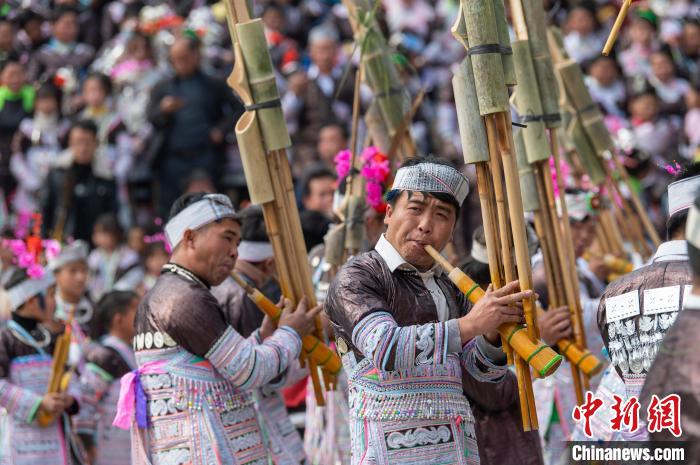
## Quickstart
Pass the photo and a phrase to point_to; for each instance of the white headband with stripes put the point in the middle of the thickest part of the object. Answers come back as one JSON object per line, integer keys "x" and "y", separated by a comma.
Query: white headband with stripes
{"x": 27, "y": 289}
{"x": 212, "y": 207}
{"x": 432, "y": 177}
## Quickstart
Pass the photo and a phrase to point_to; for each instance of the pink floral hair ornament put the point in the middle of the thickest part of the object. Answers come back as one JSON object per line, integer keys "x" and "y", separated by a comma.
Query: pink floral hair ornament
{"x": 32, "y": 250}
{"x": 375, "y": 169}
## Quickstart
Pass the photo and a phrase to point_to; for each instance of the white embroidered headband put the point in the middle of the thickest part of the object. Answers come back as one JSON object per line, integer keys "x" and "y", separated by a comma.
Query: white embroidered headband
{"x": 579, "y": 205}
{"x": 255, "y": 252}
{"x": 27, "y": 289}
{"x": 212, "y": 207}
{"x": 74, "y": 252}
{"x": 432, "y": 177}
{"x": 681, "y": 194}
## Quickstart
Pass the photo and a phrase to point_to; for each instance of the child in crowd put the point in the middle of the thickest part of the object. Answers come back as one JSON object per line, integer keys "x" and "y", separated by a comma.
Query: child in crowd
{"x": 606, "y": 87}
{"x": 111, "y": 260}
{"x": 36, "y": 145}
{"x": 655, "y": 133}
{"x": 25, "y": 368}
{"x": 691, "y": 124}
{"x": 582, "y": 40}
{"x": 154, "y": 257}
{"x": 106, "y": 363}
{"x": 642, "y": 37}
{"x": 670, "y": 89}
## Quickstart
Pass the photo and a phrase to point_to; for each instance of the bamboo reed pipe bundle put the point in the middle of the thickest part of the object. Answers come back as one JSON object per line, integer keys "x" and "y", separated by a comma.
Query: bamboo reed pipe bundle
{"x": 263, "y": 138}
{"x": 539, "y": 355}
{"x": 325, "y": 358}
{"x": 497, "y": 171}
{"x": 617, "y": 265}
{"x": 58, "y": 368}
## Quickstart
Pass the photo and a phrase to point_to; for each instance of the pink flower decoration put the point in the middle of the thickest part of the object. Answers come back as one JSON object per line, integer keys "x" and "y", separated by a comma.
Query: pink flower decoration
{"x": 51, "y": 248}
{"x": 17, "y": 247}
{"x": 342, "y": 163}
{"x": 35, "y": 271}
{"x": 25, "y": 260}
{"x": 374, "y": 194}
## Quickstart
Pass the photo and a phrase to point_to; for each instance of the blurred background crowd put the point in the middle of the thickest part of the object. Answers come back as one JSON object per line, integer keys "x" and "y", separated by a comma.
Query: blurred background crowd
{"x": 109, "y": 110}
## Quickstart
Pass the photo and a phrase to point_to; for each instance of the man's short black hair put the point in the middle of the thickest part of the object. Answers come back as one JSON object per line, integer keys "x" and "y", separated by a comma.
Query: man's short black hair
{"x": 315, "y": 172}
{"x": 185, "y": 201}
{"x": 86, "y": 125}
{"x": 676, "y": 222}
{"x": 314, "y": 226}
{"x": 393, "y": 195}
{"x": 104, "y": 81}
{"x": 63, "y": 10}
{"x": 337, "y": 124}
{"x": 111, "y": 304}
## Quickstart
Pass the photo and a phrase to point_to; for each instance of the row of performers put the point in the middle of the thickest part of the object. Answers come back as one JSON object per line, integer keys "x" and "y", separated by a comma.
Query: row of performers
{"x": 193, "y": 376}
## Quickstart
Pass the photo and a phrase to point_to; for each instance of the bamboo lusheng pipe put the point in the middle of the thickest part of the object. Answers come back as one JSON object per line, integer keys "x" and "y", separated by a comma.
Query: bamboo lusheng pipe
{"x": 615, "y": 31}
{"x": 583, "y": 359}
{"x": 617, "y": 265}
{"x": 58, "y": 368}
{"x": 538, "y": 354}
{"x": 325, "y": 358}
{"x": 381, "y": 74}
{"x": 265, "y": 137}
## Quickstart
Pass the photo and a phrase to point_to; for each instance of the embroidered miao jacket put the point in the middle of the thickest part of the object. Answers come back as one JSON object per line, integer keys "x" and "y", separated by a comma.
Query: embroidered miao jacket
{"x": 403, "y": 354}
{"x": 24, "y": 377}
{"x": 634, "y": 341}
{"x": 106, "y": 363}
{"x": 675, "y": 371}
{"x": 200, "y": 404}
{"x": 282, "y": 439}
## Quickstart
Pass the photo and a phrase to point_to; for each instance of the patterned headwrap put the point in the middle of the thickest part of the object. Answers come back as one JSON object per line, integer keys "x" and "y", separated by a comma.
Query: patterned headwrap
{"x": 581, "y": 205}
{"x": 76, "y": 251}
{"x": 22, "y": 292}
{"x": 212, "y": 207}
{"x": 434, "y": 178}
{"x": 681, "y": 194}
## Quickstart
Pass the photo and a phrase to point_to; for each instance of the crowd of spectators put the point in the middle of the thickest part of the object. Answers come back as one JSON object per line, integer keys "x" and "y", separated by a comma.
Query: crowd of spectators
{"x": 118, "y": 107}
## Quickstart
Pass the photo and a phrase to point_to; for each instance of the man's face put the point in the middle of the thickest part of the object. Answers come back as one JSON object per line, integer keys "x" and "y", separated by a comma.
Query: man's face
{"x": 330, "y": 141}
{"x": 417, "y": 220}
{"x": 71, "y": 279}
{"x": 323, "y": 53}
{"x": 185, "y": 61}
{"x": 65, "y": 29}
{"x": 320, "y": 196}
{"x": 215, "y": 249}
{"x": 82, "y": 144}
{"x": 7, "y": 35}
{"x": 583, "y": 234}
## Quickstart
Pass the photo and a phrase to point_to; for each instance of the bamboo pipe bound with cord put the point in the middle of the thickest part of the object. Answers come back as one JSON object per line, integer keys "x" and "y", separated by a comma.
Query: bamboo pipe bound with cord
{"x": 538, "y": 355}
{"x": 324, "y": 356}
{"x": 263, "y": 139}
{"x": 57, "y": 383}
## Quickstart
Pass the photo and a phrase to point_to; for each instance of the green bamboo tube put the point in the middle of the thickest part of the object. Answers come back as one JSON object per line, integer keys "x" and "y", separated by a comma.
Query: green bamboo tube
{"x": 586, "y": 152}
{"x": 263, "y": 86}
{"x": 383, "y": 80}
{"x": 490, "y": 83}
{"x": 254, "y": 159}
{"x": 598, "y": 133}
{"x": 528, "y": 103}
{"x": 334, "y": 245}
{"x": 527, "y": 179}
{"x": 504, "y": 39}
{"x": 541, "y": 60}
{"x": 471, "y": 128}
{"x": 354, "y": 223}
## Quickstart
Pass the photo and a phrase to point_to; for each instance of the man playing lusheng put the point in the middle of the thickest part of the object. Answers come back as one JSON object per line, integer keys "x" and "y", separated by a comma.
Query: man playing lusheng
{"x": 192, "y": 390}
{"x": 406, "y": 332}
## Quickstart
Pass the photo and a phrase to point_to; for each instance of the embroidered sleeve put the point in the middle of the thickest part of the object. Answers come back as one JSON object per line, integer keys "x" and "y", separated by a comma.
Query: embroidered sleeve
{"x": 21, "y": 403}
{"x": 250, "y": 365}
{"x": 391, "y": 347}
{"x": 484, "y": 361}
{"x": 94, "y": 383}
{"x": 293, "y": 374}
